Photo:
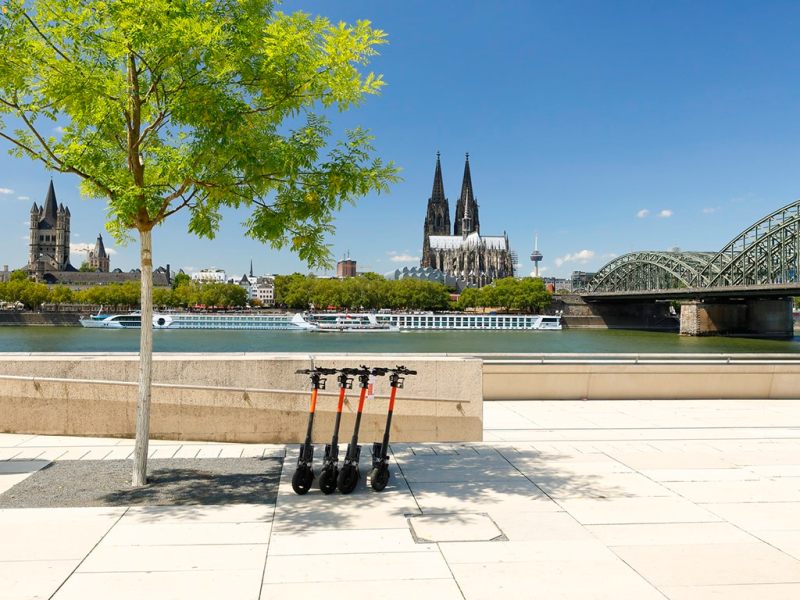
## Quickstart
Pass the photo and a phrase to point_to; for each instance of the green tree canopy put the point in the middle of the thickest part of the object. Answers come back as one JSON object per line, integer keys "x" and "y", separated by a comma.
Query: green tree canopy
{"x": 180, "y": 279}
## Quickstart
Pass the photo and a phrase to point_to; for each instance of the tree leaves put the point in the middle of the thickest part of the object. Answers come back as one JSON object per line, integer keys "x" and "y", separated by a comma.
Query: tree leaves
{"x": 169, "y": 105}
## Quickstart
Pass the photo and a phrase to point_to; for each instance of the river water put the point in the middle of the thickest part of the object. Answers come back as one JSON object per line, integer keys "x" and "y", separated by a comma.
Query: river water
{"x": 76, "y": 339}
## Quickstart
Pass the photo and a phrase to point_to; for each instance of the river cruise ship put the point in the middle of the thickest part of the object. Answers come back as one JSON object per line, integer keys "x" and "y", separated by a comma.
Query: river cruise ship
{"x": 198, "y": 321}
{"x": 329, "y": 322}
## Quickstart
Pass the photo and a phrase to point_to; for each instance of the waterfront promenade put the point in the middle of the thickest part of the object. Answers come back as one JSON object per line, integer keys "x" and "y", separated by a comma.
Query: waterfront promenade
{"x": 639, "y": 500}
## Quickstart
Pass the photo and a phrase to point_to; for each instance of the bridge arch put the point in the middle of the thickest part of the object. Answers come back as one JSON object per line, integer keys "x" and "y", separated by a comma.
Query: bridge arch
{"x": 767, "y": 252}
{"x": 650, "y": 270}
{"x": 764, "y": 253}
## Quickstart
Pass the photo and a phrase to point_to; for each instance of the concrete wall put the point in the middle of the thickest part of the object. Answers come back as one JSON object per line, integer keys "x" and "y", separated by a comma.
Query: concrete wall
{"x": 520, "y": 381}
{"x": 442, "y": 403}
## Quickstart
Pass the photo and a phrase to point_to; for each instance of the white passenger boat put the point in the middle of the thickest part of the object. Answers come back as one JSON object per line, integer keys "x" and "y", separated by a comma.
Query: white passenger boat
{"x": 347, "y": 323}
{"x": 254, "y": 321}
{"x": 329, "y": 322}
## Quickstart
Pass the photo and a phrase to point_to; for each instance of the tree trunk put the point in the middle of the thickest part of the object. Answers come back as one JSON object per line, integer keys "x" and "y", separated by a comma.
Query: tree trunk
{"x": 145, "y": 362}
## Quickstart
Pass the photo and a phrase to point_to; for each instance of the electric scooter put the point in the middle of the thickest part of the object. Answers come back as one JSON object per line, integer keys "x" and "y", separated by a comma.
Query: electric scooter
{"x": 304, "y": 475}
{"x": 349, "y": 474}
{"x": 330, "y": 465}
{"x": 379, "y": 475}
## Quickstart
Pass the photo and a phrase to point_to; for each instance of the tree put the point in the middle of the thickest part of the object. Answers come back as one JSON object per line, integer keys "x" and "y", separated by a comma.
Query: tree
{"x": 180, "y": 279}
{"x": 192, "y": 105}
{"x": 60, "y": 294}
{"x": 468, "y": 298}
{"x": 86, "y": 268}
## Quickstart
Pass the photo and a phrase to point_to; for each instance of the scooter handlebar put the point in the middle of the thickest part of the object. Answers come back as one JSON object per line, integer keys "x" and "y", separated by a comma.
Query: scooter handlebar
{"x": 316, "y": 371}
{"x": 401, "y": 370}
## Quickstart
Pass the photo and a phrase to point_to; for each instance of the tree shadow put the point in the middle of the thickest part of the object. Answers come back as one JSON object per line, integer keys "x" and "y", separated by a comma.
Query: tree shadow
{"x": 471, "y": 479}
{"x": 171, "y": 483}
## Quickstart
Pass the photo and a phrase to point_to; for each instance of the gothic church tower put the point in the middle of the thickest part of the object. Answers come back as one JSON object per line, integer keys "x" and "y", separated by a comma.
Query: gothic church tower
{"x": 467, "y": 198}
{"x": 98, "y": 258}
{"x": 437, "y": 219}
{"x": 48, "y": 248}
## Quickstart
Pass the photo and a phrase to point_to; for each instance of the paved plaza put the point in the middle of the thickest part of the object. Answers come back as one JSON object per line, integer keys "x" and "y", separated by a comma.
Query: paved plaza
{"x": 684, "y": 500}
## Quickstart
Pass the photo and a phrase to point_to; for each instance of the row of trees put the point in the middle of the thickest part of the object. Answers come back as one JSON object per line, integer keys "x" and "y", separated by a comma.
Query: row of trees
{"x": 186, "y": 293}
{"x": 372, "y": 291}
{"x": 369, "y": 291}
{"x": 527, "y": 295}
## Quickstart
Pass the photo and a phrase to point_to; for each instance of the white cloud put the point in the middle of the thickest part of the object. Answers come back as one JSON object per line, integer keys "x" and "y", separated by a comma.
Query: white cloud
{"x": 60, "y": 129}
{"x": 23, "y": 197}
{"x": 6, "y": 190}
{"x": 84, "y": 248}
{"x": 80, "y": 247}
{"x": 581, "y": 257}
{"x": 403, "y": 257}
{"x": 642, "y": 213}
{"x": 665, "y": 214}
{"x": 542, "y": 271}
{"x": 710, "y": 210}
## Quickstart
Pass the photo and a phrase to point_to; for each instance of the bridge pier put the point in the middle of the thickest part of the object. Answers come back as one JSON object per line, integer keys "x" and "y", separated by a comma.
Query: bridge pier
{"x": 755, "y": 316}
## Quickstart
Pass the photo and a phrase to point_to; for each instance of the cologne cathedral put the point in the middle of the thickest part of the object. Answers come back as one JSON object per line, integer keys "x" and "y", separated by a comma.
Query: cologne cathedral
{"x": 474, "y": 260}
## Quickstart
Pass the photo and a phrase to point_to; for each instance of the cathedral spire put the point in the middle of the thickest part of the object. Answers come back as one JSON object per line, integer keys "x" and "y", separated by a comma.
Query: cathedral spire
{"x": 50, "y": 205}
{"x": 466, "y": 184}
{"x": 467, "y": 197}
{"x": 437, "y": 195}
{"x": 99, "y": 247}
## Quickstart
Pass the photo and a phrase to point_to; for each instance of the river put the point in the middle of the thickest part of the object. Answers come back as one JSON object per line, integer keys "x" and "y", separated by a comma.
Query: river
{"x": 76, "y": 339}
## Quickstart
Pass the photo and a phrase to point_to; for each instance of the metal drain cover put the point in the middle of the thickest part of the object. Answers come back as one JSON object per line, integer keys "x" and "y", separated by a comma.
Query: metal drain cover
{"x": 454, "y": 527}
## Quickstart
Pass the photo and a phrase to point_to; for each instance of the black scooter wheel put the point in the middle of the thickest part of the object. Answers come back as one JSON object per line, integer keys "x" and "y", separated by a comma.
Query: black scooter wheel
{"x": 348, "y": 478}
{"x": 379, "y": 478}
{"x": 301, "y": 481}
{"x": 327, "y": 480}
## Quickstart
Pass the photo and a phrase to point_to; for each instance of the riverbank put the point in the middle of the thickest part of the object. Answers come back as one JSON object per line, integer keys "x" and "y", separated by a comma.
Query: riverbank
{"x": 16, "y": 318}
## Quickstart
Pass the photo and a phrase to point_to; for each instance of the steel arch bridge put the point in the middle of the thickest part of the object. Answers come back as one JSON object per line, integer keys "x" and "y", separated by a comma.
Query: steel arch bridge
{"x": 764, "y": 254}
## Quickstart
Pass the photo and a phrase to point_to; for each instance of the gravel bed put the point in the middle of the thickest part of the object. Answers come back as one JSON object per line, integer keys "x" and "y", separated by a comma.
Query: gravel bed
{"x": 171, "y": 482}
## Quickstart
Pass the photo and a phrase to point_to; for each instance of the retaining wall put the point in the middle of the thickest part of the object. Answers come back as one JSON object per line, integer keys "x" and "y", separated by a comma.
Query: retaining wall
{"x": 234, "y": 397}
{"x": 678, "y": 379}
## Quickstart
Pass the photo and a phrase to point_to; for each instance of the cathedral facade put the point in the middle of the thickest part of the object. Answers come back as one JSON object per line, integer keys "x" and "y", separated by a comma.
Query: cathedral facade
{"x": 474, "y": 260}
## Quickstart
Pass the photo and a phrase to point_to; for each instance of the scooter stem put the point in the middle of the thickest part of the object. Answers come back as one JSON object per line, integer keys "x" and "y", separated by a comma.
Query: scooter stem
{"x": 311, "y": 411}
{"x": 362, "y": 395}
{"x": 385, "y": 446}
{"x": 342, "y": 393}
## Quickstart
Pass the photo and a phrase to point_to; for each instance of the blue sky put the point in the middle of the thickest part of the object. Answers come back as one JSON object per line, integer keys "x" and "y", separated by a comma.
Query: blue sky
{"x": 606, "y": 127}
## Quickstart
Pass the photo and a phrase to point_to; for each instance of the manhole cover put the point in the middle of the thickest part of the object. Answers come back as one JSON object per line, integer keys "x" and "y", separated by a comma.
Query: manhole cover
{"x": 455, "y": 527}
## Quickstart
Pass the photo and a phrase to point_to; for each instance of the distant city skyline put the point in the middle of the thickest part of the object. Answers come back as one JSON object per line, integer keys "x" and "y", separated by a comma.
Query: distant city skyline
{"x": 603, "y": 128}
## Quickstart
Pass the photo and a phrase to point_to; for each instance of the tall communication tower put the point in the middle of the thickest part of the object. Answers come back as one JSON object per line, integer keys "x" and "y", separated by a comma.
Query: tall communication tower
{"x": 536, "y": 256}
